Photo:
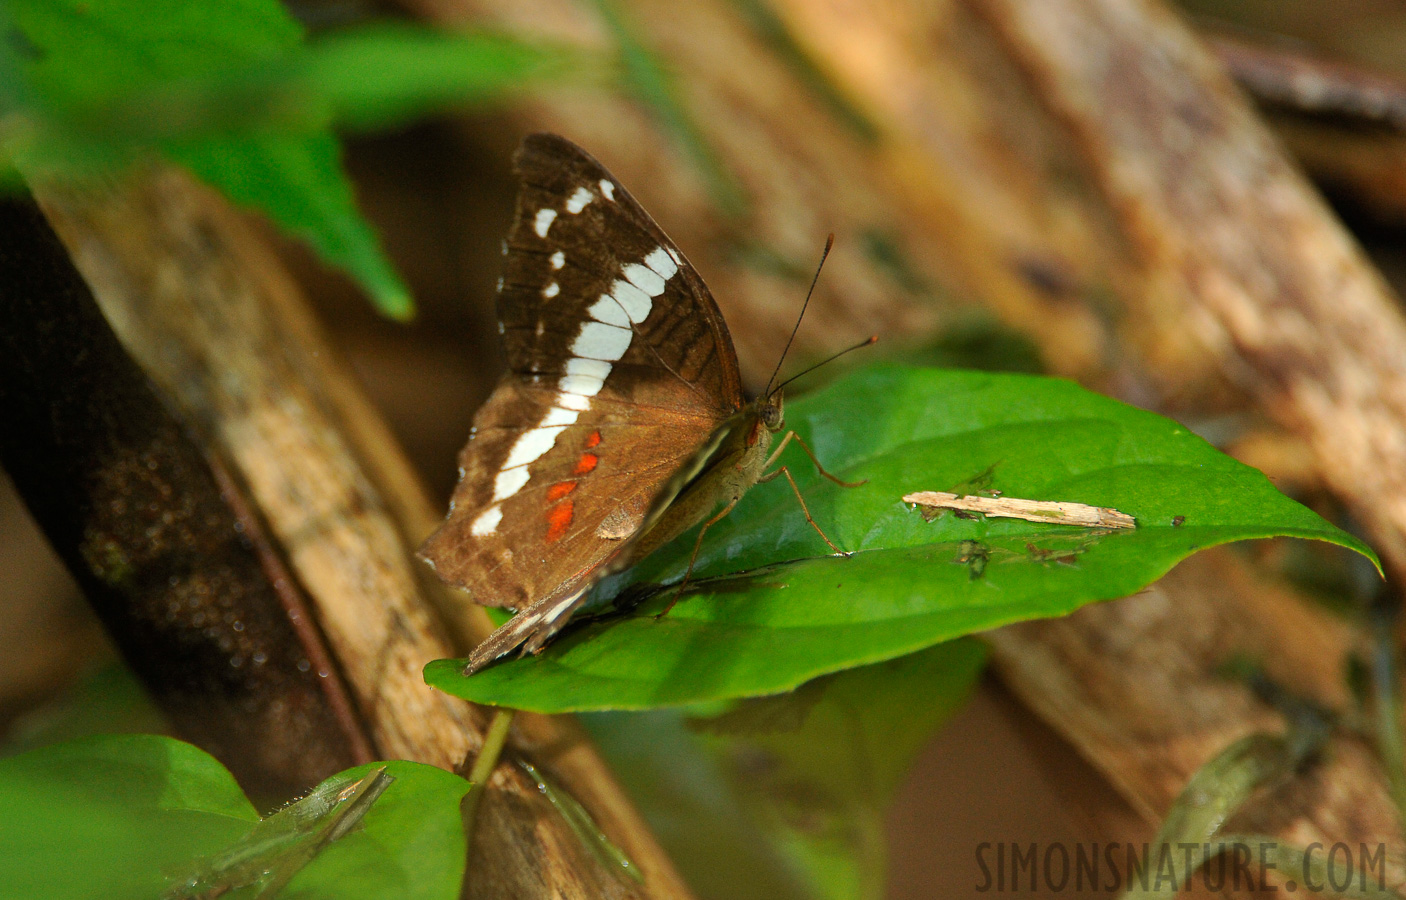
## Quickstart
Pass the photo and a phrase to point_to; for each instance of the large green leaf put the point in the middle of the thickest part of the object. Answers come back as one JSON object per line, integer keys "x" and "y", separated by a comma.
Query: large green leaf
{"x": 112, "y": 816}
{"x": 911, "y": 583}
{"x": 783, "y": 797}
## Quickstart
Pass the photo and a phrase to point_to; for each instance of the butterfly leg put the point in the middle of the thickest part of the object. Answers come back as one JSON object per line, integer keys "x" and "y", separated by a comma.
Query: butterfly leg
{"x": 792, "y": 436}
{"x": 787, "y": 472}
{"x": 694, "y": 558}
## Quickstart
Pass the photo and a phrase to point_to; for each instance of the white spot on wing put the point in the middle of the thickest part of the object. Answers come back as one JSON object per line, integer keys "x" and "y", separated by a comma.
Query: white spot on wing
{"x": 558, "y": 260}
{"x": 596, "y": 368}
{"x": 608, "y": 189}
{"x": 608, "y": 310}
{"x": 662, "y": 264}
{"x": 508, "y": 483}
{"x": 531, "y": 445}
{"x": 600, "y": 341}
{"x": 578, "y": 200}
{"x": 585, "y": 385}
{"x": 674, "y": 255}
{"x": 632, "y": 300}
{"x": 559, "y": 416}
{"x": 551, "y": 615}
{"x": 574, "y": 402}
{"x": 544, "y": 220}
{"x": 487, "y": 522}
{"x": 645, "y": 278}
{"x": 551, "y": 290}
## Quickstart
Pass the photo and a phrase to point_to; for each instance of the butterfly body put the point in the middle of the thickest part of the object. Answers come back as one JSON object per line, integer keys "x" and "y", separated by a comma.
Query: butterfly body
{"x": 723, "y": 470}
{"x": 620, "y": 423}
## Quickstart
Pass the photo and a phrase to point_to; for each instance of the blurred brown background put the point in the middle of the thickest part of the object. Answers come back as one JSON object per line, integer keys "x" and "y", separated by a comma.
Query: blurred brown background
{"x": 441, "y": 192}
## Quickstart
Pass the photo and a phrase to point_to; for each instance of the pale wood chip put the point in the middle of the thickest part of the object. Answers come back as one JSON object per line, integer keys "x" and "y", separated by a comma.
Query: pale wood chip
{"x": 1029, "y": 510}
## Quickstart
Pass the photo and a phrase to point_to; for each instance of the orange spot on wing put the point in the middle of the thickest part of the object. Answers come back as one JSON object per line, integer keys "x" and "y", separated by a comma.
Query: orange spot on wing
{"x": 586, "y": 463}
{"x": 559, "y": 519}
{"x": 593, "y": 439}
{"x": 559, "y": 490}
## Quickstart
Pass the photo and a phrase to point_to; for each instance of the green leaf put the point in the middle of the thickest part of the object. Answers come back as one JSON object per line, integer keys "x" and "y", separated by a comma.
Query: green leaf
{"x": 231, "y": 91}
{"x": 99, "y": 52}
{"x": 263, "y": 861}
{"x": 912, "y": 583}
{"x": 82, "y": 53}
{"x": 299, "y": 182}
{"x": 388, "y": 829}
{"x": 384, "y": 75}
{"x": 409, "y": 845}
{"x": 783, "y": 797}
{"x": 112, "y": 816}
{"x": 130, "y": 815}
{"x": 107, "y": 700}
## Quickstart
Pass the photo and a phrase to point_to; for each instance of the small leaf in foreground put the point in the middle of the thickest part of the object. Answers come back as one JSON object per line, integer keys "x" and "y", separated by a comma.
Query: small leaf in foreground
{"x": 130, "y": 816}
{"x": 409, "y": 844}
{"x": 276, "y": 849}
{"x": 112, "y": 816}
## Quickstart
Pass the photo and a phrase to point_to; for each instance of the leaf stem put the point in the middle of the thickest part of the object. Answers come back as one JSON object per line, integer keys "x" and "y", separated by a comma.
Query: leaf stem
{"x": 484, "y": 764}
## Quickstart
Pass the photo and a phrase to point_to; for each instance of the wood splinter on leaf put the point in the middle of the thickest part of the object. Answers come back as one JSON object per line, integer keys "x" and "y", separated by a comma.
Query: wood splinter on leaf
{"x": 1030, "y": 510}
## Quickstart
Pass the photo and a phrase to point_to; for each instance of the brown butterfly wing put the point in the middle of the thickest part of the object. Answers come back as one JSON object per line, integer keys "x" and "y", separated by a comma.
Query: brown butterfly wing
{"x": 619, "y": 369}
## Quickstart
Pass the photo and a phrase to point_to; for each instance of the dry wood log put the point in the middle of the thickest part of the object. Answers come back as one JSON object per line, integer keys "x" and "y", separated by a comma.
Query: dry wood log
{"x": 1344, "y": 122}
{"x": 150, "y": 523}
{"x": 208, "y": 310}
{"x": 1292, "y": 78}
{"x": 1136, "y": 687}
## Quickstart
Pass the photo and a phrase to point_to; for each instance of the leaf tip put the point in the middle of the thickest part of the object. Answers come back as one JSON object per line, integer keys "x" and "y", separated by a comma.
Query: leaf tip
{"x": 395, "y": 304}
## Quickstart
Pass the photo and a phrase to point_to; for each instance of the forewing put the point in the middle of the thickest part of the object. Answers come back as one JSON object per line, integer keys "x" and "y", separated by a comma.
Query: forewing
{"x": 620, "y": 369}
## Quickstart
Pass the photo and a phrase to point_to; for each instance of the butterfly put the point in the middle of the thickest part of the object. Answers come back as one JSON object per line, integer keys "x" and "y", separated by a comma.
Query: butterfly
{"x": 620, "y": 422}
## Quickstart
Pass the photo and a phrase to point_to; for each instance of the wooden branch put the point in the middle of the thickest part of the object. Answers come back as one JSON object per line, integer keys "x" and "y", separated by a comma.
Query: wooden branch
{"x": 1135, "y": 686}
{"x": 157, "y": 534}
{"x": 209, "y": 311}
{"x": 1343, "y": 122}
{"x": 1301, "y": 81}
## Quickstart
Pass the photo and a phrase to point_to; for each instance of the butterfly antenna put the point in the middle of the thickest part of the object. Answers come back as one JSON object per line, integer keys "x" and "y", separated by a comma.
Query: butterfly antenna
{"x": 867, "y": 342}
{"x": 829, "y": 242}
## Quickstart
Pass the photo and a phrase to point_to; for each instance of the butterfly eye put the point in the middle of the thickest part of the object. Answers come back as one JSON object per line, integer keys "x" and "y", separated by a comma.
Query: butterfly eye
{"x": 772, "y": 415}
